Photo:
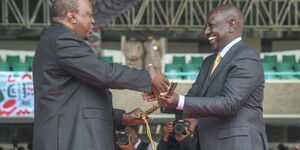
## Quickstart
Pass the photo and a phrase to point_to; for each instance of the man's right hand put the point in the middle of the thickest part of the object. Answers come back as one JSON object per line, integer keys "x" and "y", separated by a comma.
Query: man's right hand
{"x": 169, "y": 101}
{"x": 132, "y": 118}
{"x": 159, "y": 82}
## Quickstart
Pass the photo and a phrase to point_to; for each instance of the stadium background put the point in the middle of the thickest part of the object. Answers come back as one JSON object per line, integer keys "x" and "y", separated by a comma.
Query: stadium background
{"x": 271, "y": 27}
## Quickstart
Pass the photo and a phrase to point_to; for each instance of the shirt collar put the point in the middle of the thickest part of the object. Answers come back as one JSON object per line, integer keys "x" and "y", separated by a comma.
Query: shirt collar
{"x": 228, "y": 46}
{"x": 137, "y": 143}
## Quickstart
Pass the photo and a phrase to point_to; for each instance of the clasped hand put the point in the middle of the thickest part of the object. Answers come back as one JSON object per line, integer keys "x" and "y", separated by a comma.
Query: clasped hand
{"x": 160, "y": 86}
{"x": 159, "y": 82}
{"x": 163, "y": 99}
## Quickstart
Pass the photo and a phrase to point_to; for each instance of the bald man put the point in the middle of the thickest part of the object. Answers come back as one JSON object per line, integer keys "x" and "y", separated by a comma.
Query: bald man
{"x": 228, "y": 93}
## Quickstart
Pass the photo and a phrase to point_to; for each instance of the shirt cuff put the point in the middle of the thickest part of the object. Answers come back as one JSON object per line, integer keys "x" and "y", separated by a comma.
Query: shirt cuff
{"x": 180, "y": 102}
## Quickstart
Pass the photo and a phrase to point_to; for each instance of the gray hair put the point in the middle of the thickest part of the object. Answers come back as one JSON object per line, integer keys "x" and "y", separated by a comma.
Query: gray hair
{"x": 61, "y": 7}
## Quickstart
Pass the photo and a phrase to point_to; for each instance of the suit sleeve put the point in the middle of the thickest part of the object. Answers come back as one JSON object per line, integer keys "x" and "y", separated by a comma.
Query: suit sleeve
{"x": 77, "y": 59}
{"x": 118, "y": 114}
{"x": 243, "y": 78}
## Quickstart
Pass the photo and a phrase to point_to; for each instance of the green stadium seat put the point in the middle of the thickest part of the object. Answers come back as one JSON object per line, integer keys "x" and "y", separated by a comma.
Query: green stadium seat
{"x": 12, "y": 59}
{"x": 193, "y": 69}
{"x": 196, "y": 60}
{"x": 107, "y": 58}
{"x": 172, "y": 68}
{"x": 179, "y": 60}
{"x": 4, "y": 66}
{"x": 285, "y": 67}
{"x": 29, "y": 59}
{"x": 22, "y": 67}
{"x": 269, "y": 68}
{"x": 270, "y": 59}
{"x": 289, "y": 59}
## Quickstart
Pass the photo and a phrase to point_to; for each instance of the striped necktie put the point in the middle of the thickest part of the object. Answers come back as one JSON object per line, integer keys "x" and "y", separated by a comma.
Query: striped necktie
{"x": 216, "y": 62}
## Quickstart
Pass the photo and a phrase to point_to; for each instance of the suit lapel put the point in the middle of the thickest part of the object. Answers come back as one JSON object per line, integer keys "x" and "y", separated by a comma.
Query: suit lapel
{"x": 227, "y": 58}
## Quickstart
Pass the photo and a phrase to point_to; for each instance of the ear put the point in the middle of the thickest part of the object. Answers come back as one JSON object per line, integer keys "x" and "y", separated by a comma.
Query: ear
{"x": 71, "y": 17}
{"x": 232, "y": 26}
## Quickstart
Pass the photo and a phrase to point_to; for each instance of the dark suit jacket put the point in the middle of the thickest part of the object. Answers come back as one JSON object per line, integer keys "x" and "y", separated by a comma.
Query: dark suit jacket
{"x": 229, "y": 102}
{"x": 73, "y": 104}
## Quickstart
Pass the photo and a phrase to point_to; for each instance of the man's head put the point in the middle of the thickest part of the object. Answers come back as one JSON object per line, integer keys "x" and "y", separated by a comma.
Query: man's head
{"x": 75, "y": 14}
{"x": 223, "y": 24}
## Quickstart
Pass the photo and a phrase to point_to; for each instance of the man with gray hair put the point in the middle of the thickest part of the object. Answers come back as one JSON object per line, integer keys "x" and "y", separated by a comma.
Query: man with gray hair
{"x": 73, "y": 104}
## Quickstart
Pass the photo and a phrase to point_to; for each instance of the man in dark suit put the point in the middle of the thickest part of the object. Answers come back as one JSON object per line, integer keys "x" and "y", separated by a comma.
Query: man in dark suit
{"x": 73, "y": 104}
{"x": 228, "y": 92}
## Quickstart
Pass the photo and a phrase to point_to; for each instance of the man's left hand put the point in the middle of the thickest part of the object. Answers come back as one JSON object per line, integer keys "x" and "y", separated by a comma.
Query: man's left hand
{"x": 169, "y": 101}
{"x": 131, "y": 118}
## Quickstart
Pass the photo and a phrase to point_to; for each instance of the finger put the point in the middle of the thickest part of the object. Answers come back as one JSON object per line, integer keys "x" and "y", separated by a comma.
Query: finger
{"x": 130, "y": 139}
{"x": 161, "y": 103}
{"x": 149, "y": 97}
{"x": 135, "y": 116}
{"x": 165, "y": 80}
{"x": 187, "y": 131}
{"x": 161, "y": 88}
{"x": 145, "y": 94}
{"x": 164, "y": 87}
{"x": 164, "y": 94}
{"x": 151, "y": 100}
{"x": 163, "y": 98}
